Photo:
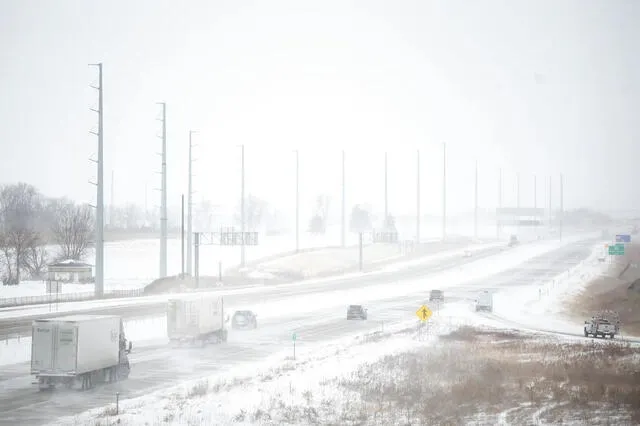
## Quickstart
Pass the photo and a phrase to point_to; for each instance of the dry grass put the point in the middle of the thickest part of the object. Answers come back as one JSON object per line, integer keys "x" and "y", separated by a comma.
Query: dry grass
{"x": 612, "y": 292}
{"x": 475, "y": 375}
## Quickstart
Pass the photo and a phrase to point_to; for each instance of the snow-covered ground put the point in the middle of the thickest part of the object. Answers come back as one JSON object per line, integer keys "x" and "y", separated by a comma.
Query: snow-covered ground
{"x": 132, "y": 264}
{"x": 197, "y": 402}
{"x": 62, "y": 307}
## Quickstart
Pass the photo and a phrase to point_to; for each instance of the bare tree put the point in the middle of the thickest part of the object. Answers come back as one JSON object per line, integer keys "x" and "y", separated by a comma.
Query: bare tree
{"x": 73, "y": 230}
{"x": 35, "y": 262}
{"x": 20, "y": 205}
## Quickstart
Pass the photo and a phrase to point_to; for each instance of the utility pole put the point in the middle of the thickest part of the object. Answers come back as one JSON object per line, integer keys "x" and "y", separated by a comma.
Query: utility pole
{"x": 386, "y": 193}
{"x": 499, "y": 203}
{"x": 242, "y": 212}
{"x": 561, "y": 204}
{"x": 190, "y": 206}
{"x": 535, "y": 192}
{"x": 163, "y": 195}
{"x": 475, "y": 210}
{"x": 99, "y": 263}
{"x": 418, "y": 197}
{"x": 550, "y": 204}
{"x": 518, "y": 190}
{"x": 444, "y": 191}
{"x": 343, "y": 233}
{"x": 182, "y": 237}
{"x": 297, "y": 201}
{"x": 112, "y": 208}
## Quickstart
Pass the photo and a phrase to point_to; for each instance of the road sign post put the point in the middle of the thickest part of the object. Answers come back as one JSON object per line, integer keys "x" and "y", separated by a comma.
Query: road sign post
{"x": 294, "y": 337}
{"x": 423, "y": 313}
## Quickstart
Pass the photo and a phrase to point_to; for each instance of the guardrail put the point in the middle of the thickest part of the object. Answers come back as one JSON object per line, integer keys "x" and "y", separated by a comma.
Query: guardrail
{"x": 66, "y": 297}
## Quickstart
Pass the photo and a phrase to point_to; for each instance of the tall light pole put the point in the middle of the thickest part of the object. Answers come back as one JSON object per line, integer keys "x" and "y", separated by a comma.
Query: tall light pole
{"x": 475, "y": 210}
{"x": 163, "y": 195}
{"x": 518, "y": 190}
{"x": 297, "y": 201}
{"x": 561, "y": 204}
{"x": 550, "y": 203}
{"x": 444, "y": 191}
{"x": 386, "y": 193}
{"x": 190, "y": 206}
{"x": 99, "y": 263}
{"x": 499, "y": 203}
{"x": 343, "y": 230}
{"x": 418, "y": 196}
{"x": 242, "y": 212}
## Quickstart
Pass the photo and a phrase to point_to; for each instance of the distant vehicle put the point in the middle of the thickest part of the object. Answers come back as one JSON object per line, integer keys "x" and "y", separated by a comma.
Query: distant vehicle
{"x": 484, "y": 302}
{"x": 468, "y": 253}
{"x": 436, "y": 296}
{"x": 602, "y": 324}
{"x": 244, "y": 320}
{"x": 194, "y": 319}
{"x": 79, "y": 347}
{"x": 356, "y": 312}
{"x": 513, "y": 241}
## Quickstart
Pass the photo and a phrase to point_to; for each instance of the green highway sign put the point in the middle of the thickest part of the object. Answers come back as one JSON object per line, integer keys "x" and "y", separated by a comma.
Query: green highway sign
{"x": 616, "y": 250}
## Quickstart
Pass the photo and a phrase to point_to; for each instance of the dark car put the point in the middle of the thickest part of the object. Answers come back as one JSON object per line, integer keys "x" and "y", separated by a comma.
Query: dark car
{"x": 244, "y": 320}
{"x": 356, "y": 312}
{"x": 436, "y": 295}
{"x": 513, "y": 241}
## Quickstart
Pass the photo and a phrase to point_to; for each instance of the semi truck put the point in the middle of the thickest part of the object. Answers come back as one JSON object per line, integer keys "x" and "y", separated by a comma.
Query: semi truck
{"x": 85, "y": 348}
{"x": 197, "y": 319}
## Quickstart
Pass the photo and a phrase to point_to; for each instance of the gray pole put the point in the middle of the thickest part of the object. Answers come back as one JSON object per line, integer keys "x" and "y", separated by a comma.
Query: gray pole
{"x": 418, "y": 197}
{"x": 475, "y": 210}
{"x": 499, "y": 202}
{"x": 561, "y": 204}
{"x": 343, "y": 233}
{"x": 242, "y": 212}
{"x": 444, "y": 191}
{"x": 386, "y": 193}
{"x": 297, "y": 201}
{"x": 535, "y": 192}
{"x": 99, "y": 263}
{"x": 550, "y": 203}
{"x": 190, "y": 207}
{"x": 163, "y": 196}
{"x": 182, "y": 236}
{"x": 518, "y": 190}
{"x": 112, "y": 207}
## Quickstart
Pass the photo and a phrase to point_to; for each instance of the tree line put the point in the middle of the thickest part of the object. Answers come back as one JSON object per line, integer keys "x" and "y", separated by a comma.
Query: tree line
{"x": 30, "y": 222}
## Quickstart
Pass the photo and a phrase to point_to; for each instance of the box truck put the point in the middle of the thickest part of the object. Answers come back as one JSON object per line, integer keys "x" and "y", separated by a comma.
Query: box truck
{"x": 86, "y": 348}
{"x": 484, "y": 302}
{"x": 198, "y": 318}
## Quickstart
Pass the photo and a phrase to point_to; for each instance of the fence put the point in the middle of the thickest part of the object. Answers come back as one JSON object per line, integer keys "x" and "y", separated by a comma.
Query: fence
{"x": 66, "y": 297}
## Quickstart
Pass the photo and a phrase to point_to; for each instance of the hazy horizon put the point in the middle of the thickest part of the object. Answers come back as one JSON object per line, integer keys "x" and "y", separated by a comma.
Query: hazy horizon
{"x": 536, "y": 88}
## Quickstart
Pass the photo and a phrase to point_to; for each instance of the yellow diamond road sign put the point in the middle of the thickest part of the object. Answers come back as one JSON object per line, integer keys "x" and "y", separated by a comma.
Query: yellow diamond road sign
{"x": 424, "y": 313}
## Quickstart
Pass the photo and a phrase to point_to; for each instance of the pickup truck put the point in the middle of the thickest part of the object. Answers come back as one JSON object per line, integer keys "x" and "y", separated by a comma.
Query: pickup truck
{"x": 600, "y": 327}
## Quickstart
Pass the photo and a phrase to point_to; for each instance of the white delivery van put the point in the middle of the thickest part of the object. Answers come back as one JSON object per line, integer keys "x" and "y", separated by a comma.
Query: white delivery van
{"x": 484, "y": 302}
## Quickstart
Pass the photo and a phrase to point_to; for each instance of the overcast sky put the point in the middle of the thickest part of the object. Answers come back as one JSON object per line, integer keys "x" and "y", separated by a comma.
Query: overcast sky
{"x": 532, "y": 87}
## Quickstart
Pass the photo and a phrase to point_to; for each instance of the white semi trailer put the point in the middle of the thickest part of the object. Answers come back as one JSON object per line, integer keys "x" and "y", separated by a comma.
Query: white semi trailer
{"x": 200, "y": 318}
{"x": 84, "y": 348}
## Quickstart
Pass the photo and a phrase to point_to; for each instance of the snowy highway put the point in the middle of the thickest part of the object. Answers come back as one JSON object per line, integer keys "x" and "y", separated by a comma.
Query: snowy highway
{"x": 17, "y": 322}
{"x": 316, "y": 313}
